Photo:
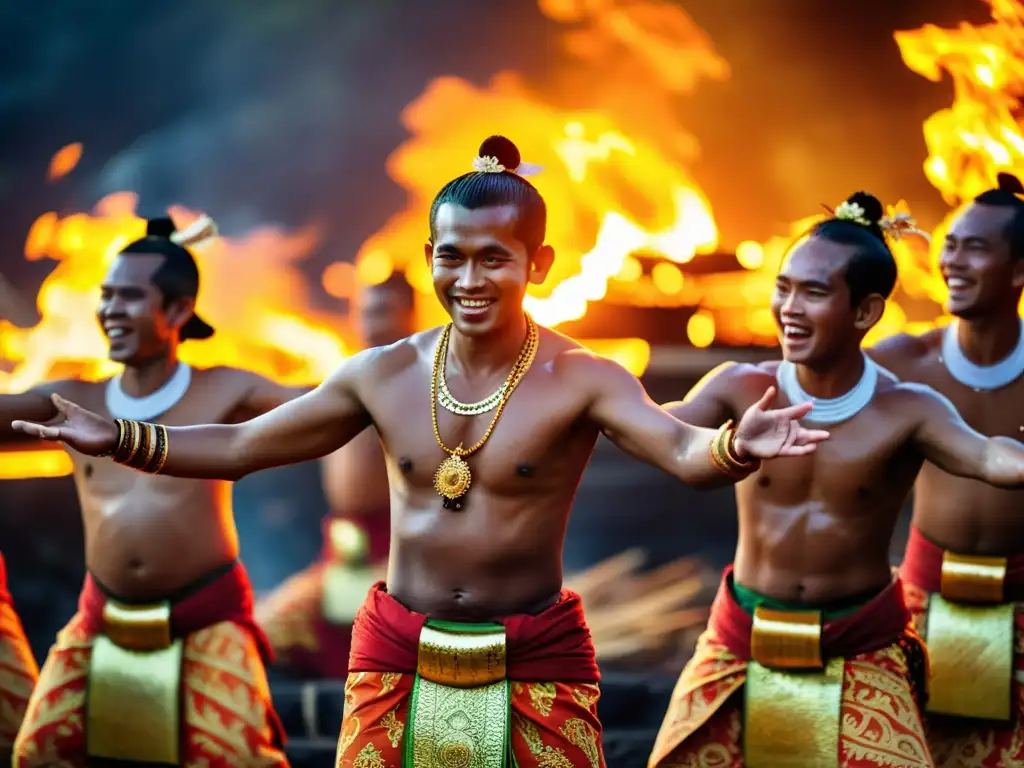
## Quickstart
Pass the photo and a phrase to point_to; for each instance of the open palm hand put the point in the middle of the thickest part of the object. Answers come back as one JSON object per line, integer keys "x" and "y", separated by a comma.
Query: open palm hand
{"x": 770, "y": 434}
{"x": 83, "y": 430}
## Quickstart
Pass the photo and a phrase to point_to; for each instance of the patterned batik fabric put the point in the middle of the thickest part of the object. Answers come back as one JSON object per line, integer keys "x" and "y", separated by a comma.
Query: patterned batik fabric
{"x": 18, "y": 675}
{"x": 554, "y": 725}
{"x": 964, "y": 743}
{"x": 228, "y": 715}
{"x": 880, "y": 720}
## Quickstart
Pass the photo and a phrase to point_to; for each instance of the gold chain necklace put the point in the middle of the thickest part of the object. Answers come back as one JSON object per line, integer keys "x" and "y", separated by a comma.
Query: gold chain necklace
{"x": 453, "y": 478}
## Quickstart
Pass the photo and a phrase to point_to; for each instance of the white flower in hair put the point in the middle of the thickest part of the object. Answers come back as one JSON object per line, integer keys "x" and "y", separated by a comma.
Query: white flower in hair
{"x": 487, "y": 164}
{"x": 852, "y": 212}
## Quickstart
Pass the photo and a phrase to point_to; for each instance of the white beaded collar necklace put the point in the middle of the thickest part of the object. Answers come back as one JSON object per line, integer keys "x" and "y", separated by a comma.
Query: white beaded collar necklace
{"x": 124, "y": 406}
{"x": 979, "y": 377}
{"x": 832, "y": 410}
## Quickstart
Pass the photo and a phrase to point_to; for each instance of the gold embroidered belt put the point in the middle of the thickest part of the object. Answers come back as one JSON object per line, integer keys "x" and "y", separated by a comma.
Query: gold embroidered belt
{"x": 460, "y": 712}
{"x": 133, "y": 709}
{"x": 347, "y": 577}
{"x": 970, "y": 637}
{"x": 792, "y": 697}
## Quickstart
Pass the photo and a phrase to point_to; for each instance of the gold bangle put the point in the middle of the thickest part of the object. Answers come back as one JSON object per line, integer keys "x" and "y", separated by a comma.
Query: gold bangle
{"x": 729, "y": 449}
{"x": 161, "y": 450}
{"x": 723, "y": 454}
{"x": 147, "y": 445}
{"x": 130, "y": 445}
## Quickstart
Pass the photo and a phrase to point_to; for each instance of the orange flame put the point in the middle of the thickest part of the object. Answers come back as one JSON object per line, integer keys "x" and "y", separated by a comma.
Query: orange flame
{"x": 64, "y": 161}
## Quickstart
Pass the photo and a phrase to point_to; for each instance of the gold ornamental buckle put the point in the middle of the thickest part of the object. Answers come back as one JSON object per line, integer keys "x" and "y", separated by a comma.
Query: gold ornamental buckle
{"x": 786, "y": 639}
{"x": 973, "y": 578}
{"x": 462, "y": 658}
{"x": 138, "y": 627}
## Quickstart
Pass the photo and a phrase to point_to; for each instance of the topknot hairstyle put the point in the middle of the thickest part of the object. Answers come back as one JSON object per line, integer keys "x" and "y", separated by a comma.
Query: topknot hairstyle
{"x": 492, "y": 187}
{"x": 178, "y": 276}
{"x": 857, "y": 222}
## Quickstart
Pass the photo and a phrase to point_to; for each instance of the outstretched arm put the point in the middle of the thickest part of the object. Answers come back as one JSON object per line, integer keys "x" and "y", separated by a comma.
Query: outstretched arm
{"x": 620, "y": 406}
{"x": 706, "y": 405}
{"x": 945, "y": 439}
{"x": 32, "y": 405}
{"x": 306, "y": 428}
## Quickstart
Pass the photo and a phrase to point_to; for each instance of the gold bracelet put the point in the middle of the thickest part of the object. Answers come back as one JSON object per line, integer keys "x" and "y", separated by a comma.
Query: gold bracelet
{"x": 160, "y": 454}
{"x": 117, "y": 443}
{"x": 141, "y": 445}
{"x": 147, "y": 444}
{"x": 723, "y": 454}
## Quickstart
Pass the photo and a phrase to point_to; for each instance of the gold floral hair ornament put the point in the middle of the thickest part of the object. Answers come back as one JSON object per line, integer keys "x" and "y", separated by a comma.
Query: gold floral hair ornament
{"x": 488, "y": 164}
{"x": 854, "y": 212}
{"x": 898, "y": 222}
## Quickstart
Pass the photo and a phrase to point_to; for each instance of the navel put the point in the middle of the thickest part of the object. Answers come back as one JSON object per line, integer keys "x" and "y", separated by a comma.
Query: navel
{"x": 405, "y": 464}
{"x": 764, "y": 481}
{"x": 524, "y": 469}
{"x": 87, "y": 470}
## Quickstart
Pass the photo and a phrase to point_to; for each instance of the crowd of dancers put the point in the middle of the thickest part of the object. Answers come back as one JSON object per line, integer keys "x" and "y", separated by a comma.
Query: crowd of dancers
{"x": 452, "y": 457}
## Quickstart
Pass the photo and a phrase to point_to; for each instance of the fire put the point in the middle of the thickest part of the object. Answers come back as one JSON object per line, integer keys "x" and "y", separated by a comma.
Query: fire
{"x": 614, "y": 177}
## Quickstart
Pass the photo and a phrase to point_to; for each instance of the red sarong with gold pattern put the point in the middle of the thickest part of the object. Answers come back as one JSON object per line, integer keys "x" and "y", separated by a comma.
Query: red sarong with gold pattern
{"x": 304, "y": 639}
{"x": 228, "y": 717}
{"x": 883, "y": 678}
{"x": 965, "y": 742}
{"x": 18, "y": 669}
{"x": 550, "y": 663}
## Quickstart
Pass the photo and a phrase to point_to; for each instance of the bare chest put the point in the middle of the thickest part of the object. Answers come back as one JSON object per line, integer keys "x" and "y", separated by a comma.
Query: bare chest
{"x": 537, "y": 439}
{"x": 867, "y": 457}
{"x": 106, "y": 488}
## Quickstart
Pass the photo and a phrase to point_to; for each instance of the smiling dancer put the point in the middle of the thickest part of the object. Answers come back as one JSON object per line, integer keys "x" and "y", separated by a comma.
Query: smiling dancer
{"x": 810, "y": 657}
{"x": 472, "y": 652}
{"x": 308, "y": 619}
{"x": 163, "y": 646}
{"x": 963, "y": 571}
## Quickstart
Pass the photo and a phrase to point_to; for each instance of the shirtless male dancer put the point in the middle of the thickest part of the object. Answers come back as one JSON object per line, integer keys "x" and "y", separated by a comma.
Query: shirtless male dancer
{"x": 809, "y": 620}
{"x": 18, "y": 668}
{"x": 964, "y": 565}
{"x": 166, "y": 608}
{"x": 474, "y": 594}
{"x": 308, "y": 619}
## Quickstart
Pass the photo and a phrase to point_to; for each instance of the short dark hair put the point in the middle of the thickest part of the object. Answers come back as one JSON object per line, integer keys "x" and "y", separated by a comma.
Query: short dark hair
{"x": 1006, "y": 196}
{"x": 872, "y": 267}
{"x": 479, "y": 189}
{"x": 177, "y": 277}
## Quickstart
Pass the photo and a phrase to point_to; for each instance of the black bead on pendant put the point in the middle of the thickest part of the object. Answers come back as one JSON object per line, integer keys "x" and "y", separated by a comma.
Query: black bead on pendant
{"x": 453, "y": 504}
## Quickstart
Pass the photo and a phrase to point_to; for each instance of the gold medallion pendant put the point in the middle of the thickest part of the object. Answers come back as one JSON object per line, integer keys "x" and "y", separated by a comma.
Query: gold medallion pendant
{"x": 452, "y": 480}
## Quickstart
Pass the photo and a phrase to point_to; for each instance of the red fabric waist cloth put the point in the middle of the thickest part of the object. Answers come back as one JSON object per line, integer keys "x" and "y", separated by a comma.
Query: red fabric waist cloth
{"x": 224, "y": 595}
{"x": 922, "y": 567}
{"x": 551, "y": 646}
{"x": 882, "y": 621}
{"x": 376, "y": 525}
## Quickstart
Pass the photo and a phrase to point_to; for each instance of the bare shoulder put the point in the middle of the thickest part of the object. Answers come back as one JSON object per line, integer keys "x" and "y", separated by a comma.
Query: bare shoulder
{"x": 372, "y": 367}
{"x": 911, "y": 397}
{"x": 901, "y": 353}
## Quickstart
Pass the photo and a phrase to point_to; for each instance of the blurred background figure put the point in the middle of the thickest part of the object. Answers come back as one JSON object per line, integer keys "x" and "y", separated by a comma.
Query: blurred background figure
{"x": 308, "y": 619}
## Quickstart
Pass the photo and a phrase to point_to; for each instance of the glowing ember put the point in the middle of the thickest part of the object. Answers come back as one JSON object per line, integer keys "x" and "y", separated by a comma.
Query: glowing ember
{"x": 64, "y": 161}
